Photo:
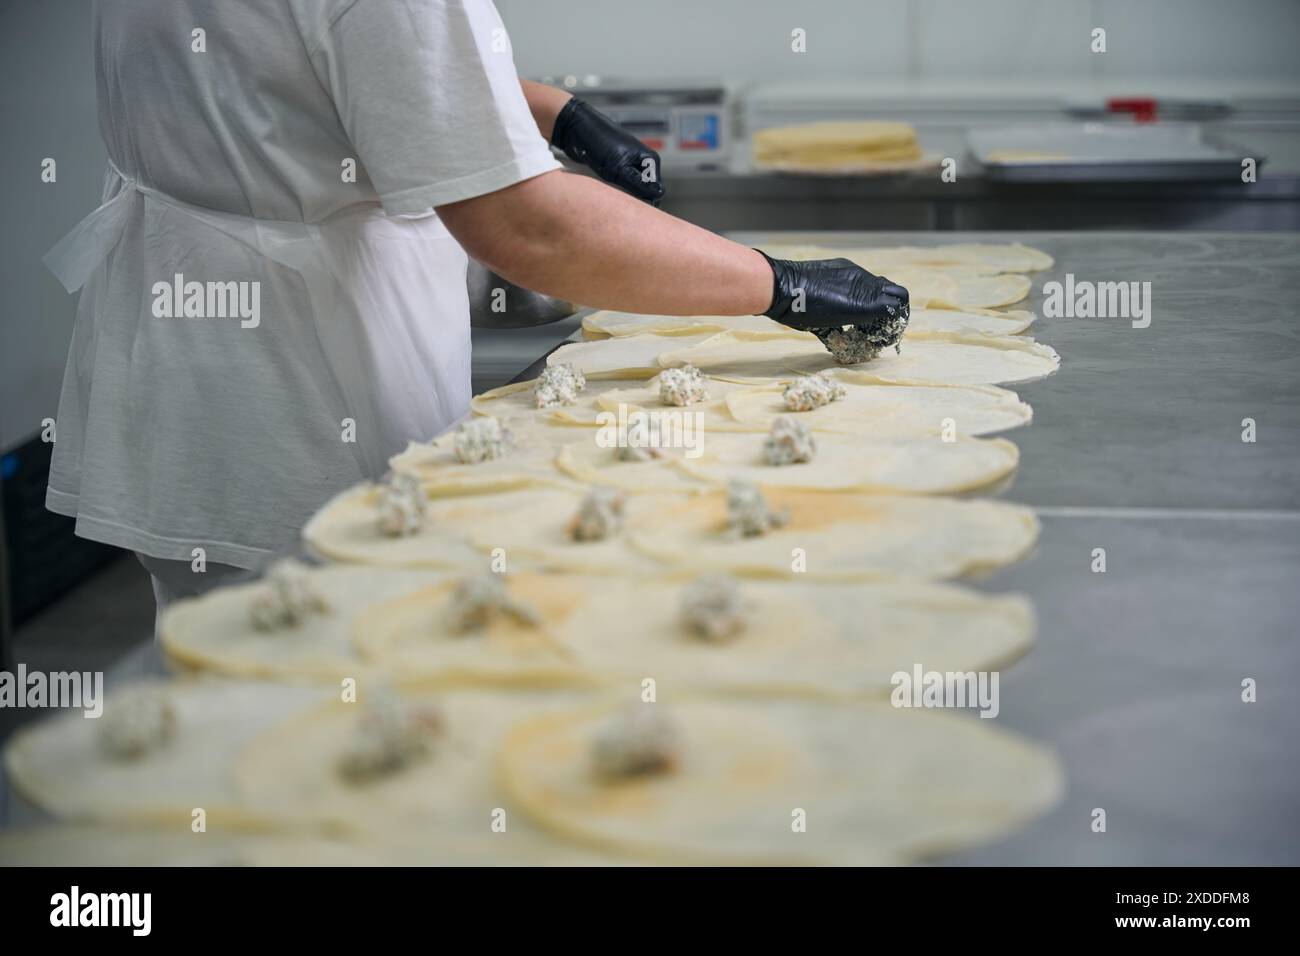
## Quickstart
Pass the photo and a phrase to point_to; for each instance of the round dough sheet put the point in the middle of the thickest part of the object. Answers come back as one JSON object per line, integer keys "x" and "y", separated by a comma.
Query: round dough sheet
{"x": 871, "y": 783}
{"x": 438, "y": 810}
{"x": 738, "y": 357}
{"x": 600, "y": 325}
{"x": 346, "y": 530}
{"x": 884, "y": 410}
{"x": 843, "y": 536}
{"x": 408, "y": 636}
{"x": 629, "y": 356}
{"x": 214, "y": 633}
{"x": 803, "y": 638}
{"x": 529, "y": 526}
{"x": 595, "y": 464}
{"x": 529, "y": 461}
{"x": 913, "y": 465}
{"x": 59, "y": 765}
{"x": 514, "y": 404}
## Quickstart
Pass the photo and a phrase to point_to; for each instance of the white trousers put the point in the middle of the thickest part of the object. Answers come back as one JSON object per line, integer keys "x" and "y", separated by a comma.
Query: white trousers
{"x": 173, "y": 580}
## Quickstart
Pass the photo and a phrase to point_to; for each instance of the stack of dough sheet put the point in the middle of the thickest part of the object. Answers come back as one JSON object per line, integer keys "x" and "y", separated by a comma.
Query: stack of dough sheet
{"x": 967, "y": 276}
{"x": 738, "y": 356}
{"x": 627, "y": 635}
{"x": 828, "y": 146}
{"x": 923, "y": 323}
{"x": 961, "y": 258}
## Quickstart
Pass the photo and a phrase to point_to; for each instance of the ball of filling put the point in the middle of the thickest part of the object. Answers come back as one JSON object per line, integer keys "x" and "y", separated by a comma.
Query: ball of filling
{"x": 851, "y": 344}
{"x": 476, "y": 602}
{"x": 558, "y": 385}
{"x": 136, "y": 722}
{"x": 682, "y": 386}
{"x": 638, "y": 742}
{"x": 713, "y": 608}
{"x": 400, "y": 511}
{"x": 790, "y": 441}
{"x": 389, "y": 737}
{"x": 747, "y": 511}
{"x": 481, "y": 439}
{"x": 812, "y": 391}
{"x": 599, "y": 516}
{"x": 286, "y": 598}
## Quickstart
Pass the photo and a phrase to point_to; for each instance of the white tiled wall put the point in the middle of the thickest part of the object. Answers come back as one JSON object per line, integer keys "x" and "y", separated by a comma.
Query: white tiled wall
{"x": 749, "y": 40}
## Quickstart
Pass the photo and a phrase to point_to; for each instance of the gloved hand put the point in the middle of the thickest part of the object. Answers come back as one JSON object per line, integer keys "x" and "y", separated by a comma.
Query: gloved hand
{"x": 590, "y": 137}
{"x": 824, "y": 295}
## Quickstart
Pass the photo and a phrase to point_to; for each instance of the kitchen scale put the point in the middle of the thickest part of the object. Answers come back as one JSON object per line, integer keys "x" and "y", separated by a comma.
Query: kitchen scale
{"x": 688, "y": 122}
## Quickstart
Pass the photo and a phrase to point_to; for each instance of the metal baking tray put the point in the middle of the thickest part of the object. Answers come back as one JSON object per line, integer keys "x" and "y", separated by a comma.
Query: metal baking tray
{"x": 1106, "y": 152}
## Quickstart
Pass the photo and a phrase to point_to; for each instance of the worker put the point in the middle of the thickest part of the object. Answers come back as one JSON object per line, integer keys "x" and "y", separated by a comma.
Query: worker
{"x": 273, "y": 292}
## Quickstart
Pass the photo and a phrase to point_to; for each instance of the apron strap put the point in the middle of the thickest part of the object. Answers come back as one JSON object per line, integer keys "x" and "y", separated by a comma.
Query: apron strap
{"x": 74, "y": 257}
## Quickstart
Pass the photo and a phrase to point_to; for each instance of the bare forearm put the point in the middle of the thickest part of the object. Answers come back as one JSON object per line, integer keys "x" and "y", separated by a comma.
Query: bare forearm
{"x": 545, "y": 103}
{"x": 572, "y": 237}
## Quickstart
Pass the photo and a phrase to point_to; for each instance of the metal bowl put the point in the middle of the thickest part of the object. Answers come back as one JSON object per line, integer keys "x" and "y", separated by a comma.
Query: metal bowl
{"x": 517, "y": 308}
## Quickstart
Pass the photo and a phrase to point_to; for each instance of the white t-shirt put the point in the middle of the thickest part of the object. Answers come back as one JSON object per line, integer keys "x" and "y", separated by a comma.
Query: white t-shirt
{"x": 270, "y": 309}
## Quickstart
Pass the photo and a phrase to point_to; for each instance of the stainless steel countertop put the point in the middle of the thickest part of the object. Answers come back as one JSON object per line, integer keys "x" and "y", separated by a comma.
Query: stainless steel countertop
{"x": 1136, "y": 447}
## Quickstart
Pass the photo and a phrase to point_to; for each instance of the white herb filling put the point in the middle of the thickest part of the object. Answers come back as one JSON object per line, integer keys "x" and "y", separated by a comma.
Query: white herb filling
{"x": 682, "y": 386}
{"x": 848, "y": 346}
{"x": 637, "y": 742}
{"x": 476, "y": 602}
{"x": 481, "y": 439}
{"x": 851, "y": 344}
{"x": 747, "y": 511}
{"x": 136, "y": 722}
{"x": 401, "y": 507}
{"x": 558, "y": 385}
{"x": 713, "y": 608}
{"x": 790, "y": 441}
{"x": 599, "y": 516}
{"x": 812, "y": 391}
{"x": 286, "y": 598}
{"x": 389, "y": 738}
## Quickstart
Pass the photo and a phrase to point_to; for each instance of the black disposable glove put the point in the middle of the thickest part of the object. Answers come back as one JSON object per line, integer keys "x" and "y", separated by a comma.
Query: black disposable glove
{"x": 837, "y": 293}
{"x": 590, "y": 137}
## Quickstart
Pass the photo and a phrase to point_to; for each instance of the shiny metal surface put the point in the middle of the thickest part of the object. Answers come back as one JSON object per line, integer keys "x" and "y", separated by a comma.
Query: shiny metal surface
{"x": 1135, "y": 447}
{"x": 495, "y": 303}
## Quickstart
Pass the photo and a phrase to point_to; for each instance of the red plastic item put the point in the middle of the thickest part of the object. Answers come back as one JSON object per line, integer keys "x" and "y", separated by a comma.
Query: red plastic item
{"x": 1143, "y": 108}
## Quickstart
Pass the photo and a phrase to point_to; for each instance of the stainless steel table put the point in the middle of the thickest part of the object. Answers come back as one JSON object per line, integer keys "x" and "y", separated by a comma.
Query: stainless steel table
{"x": 1136, "y": 448}
{"x": 1136, "y": 678}
{"x": 750, "y": 201}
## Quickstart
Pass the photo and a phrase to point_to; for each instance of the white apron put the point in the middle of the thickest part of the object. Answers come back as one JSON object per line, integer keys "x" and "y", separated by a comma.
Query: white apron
{"x": 176, "y": 433}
